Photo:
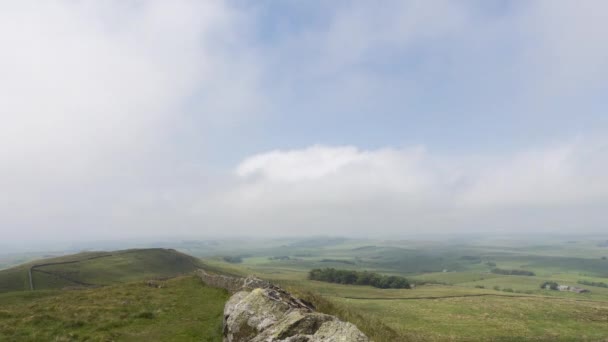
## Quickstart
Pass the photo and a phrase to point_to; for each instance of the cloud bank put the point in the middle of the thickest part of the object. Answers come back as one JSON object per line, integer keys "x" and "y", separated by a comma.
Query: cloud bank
{"x": 127, "y": 119}
{"x": 406, "y": 190}
{"x": 93, "y": 96}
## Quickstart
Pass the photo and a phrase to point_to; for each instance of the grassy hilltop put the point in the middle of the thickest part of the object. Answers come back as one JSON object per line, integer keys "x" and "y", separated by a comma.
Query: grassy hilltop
{"x": 115, "y": 299}
{"x": 89, "y": 269}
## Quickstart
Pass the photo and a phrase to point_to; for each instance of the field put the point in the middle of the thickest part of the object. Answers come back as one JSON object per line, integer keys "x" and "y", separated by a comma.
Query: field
{"x": 491, "y": 318}
{"x": 183, "y": 309}
{"x": 457, "y": 298}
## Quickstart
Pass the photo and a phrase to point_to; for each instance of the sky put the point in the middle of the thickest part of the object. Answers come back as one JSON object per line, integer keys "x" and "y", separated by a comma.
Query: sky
{"x": 127, "y": 119}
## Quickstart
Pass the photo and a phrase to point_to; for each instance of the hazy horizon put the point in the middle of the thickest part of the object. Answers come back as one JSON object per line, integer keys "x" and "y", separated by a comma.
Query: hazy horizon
{"x": 128, "y": 120}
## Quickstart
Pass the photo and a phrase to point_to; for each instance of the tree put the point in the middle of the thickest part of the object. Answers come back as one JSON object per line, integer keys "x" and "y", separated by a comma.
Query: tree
{"x": 551, "y": 285}
{"x": 333, "y": 275}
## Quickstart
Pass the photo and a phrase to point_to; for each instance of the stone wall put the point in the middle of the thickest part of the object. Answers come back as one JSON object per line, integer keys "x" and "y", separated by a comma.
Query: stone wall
{"x": 259, "y": 311}
{"x": 232, "y": 284}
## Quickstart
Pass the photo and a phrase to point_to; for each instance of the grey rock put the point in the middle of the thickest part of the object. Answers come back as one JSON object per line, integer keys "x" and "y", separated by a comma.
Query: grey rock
{"x": 259, "y": 311}
{"x": 273, "y": 315}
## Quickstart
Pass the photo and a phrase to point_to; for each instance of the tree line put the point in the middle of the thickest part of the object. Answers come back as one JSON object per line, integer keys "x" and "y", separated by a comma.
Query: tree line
{"x": 332, "y": 275}
{"x": 233, "y": 259}
{"x": 512, "y": 272}
{"x": 593, "y": 283}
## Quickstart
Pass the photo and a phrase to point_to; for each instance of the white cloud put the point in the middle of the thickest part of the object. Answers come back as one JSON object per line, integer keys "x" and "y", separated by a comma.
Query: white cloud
{"x": 92, "y": 95}
{"x": 309, "y": 164}
{"x": 344, "y": 189}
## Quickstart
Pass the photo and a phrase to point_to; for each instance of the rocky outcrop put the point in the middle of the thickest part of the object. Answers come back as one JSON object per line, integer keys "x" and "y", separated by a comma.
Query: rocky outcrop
{"x": 273, "y": 315}
{"x": 262, "y": 312}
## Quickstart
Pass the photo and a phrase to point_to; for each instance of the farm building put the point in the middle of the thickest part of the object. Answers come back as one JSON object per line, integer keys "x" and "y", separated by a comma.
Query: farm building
{"x": 572, "y": 289}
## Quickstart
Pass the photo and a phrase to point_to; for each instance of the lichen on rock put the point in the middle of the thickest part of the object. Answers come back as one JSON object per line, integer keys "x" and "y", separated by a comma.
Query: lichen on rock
{"x": 273, "y": 315}
{"x": 260, "y": 311}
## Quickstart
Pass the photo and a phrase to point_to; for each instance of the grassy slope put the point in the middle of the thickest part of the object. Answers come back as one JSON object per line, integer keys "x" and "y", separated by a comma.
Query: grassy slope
{"x": 457, "y": 310}
{"x": 98, "y": 268}
{"x": 439, "y": 312}
{"x": 183, "y": 310}
{"x": 490, "y": 318}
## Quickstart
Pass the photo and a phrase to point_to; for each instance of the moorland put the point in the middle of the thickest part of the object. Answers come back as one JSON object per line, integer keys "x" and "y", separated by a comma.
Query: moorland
{"x": 456, "y": 291}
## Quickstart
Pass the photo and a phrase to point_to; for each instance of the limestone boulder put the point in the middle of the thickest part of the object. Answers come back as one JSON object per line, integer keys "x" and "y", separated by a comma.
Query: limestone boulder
{"x": 272, "y": 315}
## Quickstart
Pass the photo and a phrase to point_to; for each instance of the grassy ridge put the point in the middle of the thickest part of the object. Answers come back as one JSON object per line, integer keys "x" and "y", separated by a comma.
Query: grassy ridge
{"x": 97, "y": 269}
{"x": 182, "y": 310}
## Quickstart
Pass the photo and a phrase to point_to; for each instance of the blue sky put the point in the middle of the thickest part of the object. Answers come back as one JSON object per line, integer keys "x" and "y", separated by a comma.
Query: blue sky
{"x": 475, "y": 85}
{"x": 207, "y": 118}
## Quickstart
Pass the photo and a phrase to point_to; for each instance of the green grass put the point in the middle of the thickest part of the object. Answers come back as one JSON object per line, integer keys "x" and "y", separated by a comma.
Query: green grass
{"x": 459, "y": 313}
{"x": 464, "y": 305}
{"x": 368, "y": 292}
{"x": 488, "y": 318}
{"x": 453, "y": 277}
{"x": 439, "y": 312}
{"x": 97, "y": 269}
{"x": 182, "y": 310}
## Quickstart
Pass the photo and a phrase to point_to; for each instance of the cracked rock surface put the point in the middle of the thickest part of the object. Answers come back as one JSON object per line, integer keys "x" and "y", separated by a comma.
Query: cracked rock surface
{"x": 271, "y": 315}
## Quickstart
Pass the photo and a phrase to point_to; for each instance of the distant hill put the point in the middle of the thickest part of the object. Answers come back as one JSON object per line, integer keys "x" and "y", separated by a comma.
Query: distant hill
{"x": 90, "y": 269}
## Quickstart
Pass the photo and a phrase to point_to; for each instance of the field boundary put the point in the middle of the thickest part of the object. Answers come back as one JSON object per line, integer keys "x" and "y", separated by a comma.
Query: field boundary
{"x": 36, "y": 268}
{"x": 66, "y": 278}
{"x": 435, "y": 297}
{"x": 473, "y": 295}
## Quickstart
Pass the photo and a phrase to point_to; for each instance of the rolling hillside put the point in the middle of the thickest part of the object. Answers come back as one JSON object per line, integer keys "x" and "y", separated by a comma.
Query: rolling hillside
{"x": 91, "y": 269}
{"x": 457, "y": 297}
{"x": 180, "y": 309}
{"x": 465, "y": 303}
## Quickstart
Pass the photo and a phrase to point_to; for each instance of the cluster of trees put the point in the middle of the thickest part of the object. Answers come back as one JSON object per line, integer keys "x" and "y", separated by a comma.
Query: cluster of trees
{"x": 550, "y": 284}
{"x": 508, "y": 289}
{"x": 473, "y": 259}
{"x": 512, "y": 272}
{"x": 593, "y": 283}
{"x": 333, "y": 275}
{"x": 340, "y": 261}
{"x": 233, "y": 259}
